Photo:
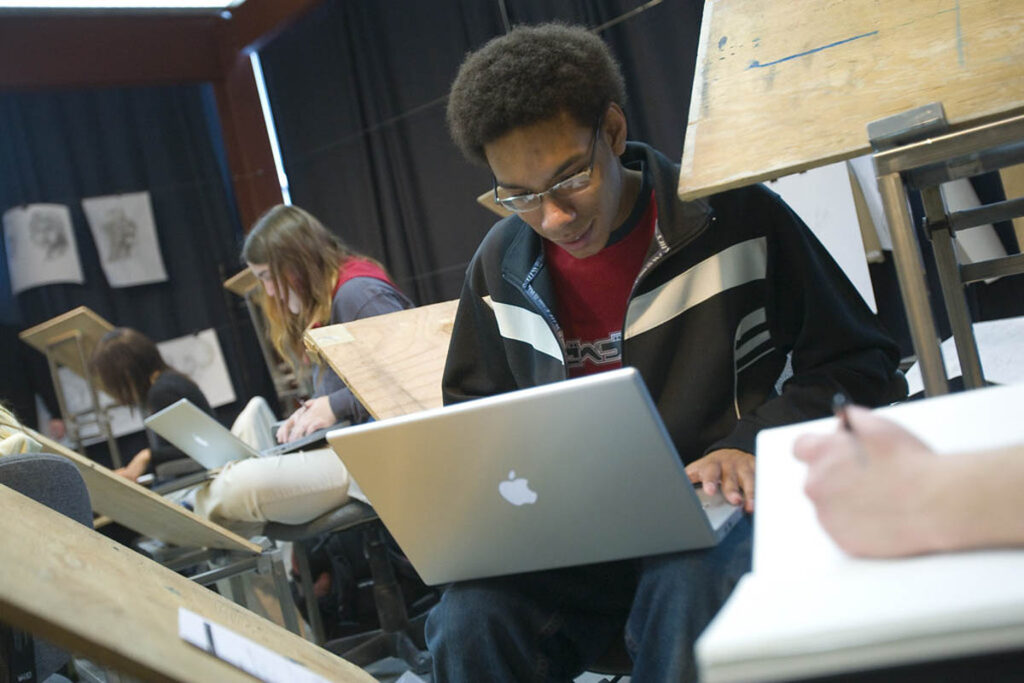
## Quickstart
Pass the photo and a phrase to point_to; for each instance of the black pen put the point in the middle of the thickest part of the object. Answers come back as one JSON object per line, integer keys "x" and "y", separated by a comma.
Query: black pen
{"x": 840, "y": 408}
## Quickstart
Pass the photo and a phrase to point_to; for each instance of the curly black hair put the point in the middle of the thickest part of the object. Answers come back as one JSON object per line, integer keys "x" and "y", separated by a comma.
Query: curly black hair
{"x": 531, "y": 74}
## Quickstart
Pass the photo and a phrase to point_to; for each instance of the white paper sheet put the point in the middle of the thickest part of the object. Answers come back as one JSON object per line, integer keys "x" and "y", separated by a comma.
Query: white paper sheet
{"x": 1000, "y": 347}
{"x": 41, "y": 247}
{"x": 78, "y": 399}
{"x": 823, "y": 199}
{"x": 125, "y": 235}
{"x": 809, "y": 609}
{"x": 199, "y": 356}
{"x": 240, "y": 652}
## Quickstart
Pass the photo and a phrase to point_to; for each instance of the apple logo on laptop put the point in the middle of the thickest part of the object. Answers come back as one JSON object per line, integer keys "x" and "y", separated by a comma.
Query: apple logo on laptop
{"x": 201, "y": 441}
{"x": 517, "y": 491}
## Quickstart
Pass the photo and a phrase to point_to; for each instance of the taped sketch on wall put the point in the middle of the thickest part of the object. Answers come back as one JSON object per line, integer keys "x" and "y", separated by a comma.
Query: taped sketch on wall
{"x": 41, "y": 247}
{"x": 125, "y": 235}
{"x": 199, "y": 356}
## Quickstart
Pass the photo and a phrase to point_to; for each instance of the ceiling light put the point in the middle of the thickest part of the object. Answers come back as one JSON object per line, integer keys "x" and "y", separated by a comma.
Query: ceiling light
{"x": 119, "y": 4}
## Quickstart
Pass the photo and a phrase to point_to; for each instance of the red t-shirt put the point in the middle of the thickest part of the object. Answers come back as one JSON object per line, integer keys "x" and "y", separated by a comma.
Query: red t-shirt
{"x": 591, "y": 295}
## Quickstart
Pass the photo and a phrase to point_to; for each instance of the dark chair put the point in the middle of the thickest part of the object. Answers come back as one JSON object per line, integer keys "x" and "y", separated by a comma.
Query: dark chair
{"x": 56, "y": 483}
{"x": 398, "y": 636}
{"x": 615, "y": 662}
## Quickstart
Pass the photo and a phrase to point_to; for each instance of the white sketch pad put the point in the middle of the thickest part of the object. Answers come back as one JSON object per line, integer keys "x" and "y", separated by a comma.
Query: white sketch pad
{"x": 125, "y": 234}
{"x": 199, "y": 357}
{"x": 41, "y": 247}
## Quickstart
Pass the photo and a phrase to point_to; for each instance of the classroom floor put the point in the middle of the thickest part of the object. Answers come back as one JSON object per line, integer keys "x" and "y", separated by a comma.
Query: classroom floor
{"x": 394, "y": 671}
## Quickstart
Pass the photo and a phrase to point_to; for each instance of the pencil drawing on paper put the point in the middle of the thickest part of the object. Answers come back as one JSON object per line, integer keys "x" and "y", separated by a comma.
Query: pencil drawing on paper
{"x": 120, "y": 232}
{"x": 49, "y": 234}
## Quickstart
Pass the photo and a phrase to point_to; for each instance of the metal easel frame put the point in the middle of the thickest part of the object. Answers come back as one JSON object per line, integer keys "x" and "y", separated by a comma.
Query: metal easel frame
{"x": 227, "y": 568}
{"x": 915, "y": 151}
{"x": 74, "y": 421}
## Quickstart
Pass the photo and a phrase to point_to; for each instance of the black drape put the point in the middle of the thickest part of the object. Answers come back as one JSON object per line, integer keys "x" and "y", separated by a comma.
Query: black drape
{"x": 358, "y": 91}
{"x": 63, "y": 146}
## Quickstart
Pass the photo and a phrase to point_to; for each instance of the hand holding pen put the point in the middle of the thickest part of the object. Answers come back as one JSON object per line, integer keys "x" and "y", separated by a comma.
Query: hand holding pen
{"x": 840, "y": 408}
{"x": 867, "y": 486}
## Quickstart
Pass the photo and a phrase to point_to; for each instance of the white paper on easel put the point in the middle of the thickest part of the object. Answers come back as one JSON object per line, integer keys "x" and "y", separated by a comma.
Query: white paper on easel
{"x": 41, "y": 247}
{"x": 125, "y": 234}
{"x": 822, "y": 197}
{"x": 78, "y": 400}
{"x": 199, "y": 357}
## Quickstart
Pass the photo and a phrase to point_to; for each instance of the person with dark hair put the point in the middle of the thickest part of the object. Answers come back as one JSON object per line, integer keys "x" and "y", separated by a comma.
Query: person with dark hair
{"x": 130, "y": 368}
{"x": 601, "y": 265}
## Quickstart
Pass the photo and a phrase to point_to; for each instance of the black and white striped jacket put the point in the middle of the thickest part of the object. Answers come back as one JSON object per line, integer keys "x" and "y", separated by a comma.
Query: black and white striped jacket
{"x": 731, "y": 287}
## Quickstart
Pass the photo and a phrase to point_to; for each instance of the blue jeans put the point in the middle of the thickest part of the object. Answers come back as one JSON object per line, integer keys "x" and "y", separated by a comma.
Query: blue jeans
{"x": 549, "y": 626}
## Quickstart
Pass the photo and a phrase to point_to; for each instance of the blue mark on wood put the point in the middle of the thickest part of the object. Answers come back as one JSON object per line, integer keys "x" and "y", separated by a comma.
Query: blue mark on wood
{"x": 959, "y": 37}
{"x": 758, "y": 65}
{"x": 721, "y": 42}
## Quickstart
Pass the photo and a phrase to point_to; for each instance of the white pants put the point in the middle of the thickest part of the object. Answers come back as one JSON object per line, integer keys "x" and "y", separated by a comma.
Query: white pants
{"x": 291, "y": 489}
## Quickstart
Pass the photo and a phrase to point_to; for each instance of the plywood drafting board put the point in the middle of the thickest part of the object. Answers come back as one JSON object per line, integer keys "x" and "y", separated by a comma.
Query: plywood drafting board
{"x": 241, "y": 282}
{"x": 84, "y": 592}
{"x": 91, "y": 326}
{"x": 393, "y": 363}
{"x": 486, "y": 200}
{"x": 141, "y": 510}
{"x": 782, "y": 87}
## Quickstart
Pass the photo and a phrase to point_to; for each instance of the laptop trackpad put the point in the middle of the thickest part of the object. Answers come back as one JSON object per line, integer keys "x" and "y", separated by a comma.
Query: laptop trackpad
{"x": 718, "y": 509}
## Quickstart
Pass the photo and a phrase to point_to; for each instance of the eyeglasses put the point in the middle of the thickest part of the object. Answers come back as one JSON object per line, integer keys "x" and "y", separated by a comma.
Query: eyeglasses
{"x": 522, "y": 203}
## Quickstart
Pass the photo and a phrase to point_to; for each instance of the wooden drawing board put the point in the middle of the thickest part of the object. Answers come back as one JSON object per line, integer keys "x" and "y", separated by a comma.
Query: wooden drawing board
{"x": 86, "y": 593}
{"x": 782, "y": 87}
{"x": 83, "y": 319}
{"x": 141, "y": 510}
{"x": 486, "y": 200}
{"x": 393, "y": 363}
{"x": 242, "y": 282}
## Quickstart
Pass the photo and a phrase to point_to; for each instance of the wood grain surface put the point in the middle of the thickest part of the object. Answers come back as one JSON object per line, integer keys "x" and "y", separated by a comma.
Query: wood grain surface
{"x": 782, "y": 87}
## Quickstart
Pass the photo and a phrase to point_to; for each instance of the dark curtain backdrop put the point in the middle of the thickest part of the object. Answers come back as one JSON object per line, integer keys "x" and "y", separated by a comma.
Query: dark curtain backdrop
{"x": 63, "y": 146}
{"x": 358, "y": 91}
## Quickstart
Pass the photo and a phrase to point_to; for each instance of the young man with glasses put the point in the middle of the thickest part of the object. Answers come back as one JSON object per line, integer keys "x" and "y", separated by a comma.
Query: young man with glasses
{"x": 602, "y": 265}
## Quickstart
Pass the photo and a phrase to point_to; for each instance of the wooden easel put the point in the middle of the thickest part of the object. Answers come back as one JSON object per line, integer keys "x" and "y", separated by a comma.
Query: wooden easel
{"x": 289, "y": 386}
{"x": 486, "y": 200}
{"x": 81, "y": 591}
{"x": 69, "y": 340}
{"x": 192, "y": 539}
{"x": 392, "y": 363}
{"x": 782, "y": 87}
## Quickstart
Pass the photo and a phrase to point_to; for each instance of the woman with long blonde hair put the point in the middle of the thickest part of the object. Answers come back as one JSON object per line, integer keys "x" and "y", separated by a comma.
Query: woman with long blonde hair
{"x": 309, "y": 278}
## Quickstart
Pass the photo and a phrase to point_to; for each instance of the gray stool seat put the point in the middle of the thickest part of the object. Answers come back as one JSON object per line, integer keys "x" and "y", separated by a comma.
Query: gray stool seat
{"x": 55, "y": 482}
{"x": 397, "y": 635}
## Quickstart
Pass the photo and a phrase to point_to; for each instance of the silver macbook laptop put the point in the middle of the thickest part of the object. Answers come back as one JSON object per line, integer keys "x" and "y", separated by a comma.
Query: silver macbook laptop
{"x": 563, "y": 474}
{"x": 208, "y": 442}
